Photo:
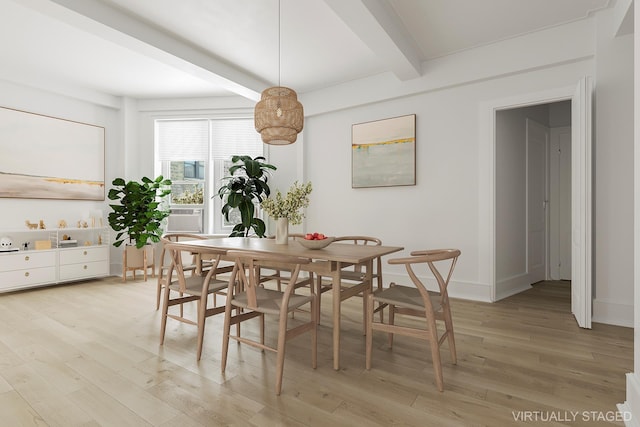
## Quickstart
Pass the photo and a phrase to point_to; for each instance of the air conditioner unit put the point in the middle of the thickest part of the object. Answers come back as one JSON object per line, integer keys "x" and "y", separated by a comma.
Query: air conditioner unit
{"x": 185, "y": 220}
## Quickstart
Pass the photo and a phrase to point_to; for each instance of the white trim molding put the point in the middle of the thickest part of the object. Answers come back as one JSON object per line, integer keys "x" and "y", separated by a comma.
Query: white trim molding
{"x": 612, "y": 313}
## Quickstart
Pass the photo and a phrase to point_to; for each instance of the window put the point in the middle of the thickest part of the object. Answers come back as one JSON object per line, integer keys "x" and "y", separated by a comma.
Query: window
{"x": 196, "y": 154}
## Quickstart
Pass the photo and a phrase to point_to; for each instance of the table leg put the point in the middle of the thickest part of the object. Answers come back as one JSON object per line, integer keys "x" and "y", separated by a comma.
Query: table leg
{"x": 335, "y": 292}
{"x": 368, "y": 277}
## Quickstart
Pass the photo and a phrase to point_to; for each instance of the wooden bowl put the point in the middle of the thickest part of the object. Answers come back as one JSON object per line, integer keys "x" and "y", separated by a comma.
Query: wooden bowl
{"x": 316, "y": 244}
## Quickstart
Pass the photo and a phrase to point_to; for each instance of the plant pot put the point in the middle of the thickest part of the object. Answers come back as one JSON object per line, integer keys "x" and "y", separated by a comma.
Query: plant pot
{"x": 134, "y": 258}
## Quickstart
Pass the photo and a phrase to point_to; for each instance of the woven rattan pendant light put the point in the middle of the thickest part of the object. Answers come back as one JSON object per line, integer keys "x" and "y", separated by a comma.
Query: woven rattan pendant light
{"x": 278, "y": 116}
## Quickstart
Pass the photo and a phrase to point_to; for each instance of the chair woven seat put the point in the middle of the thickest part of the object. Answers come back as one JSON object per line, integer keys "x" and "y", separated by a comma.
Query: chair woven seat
{"x": 270, "y": 301}
{"x": 193, "y": 285}
{"x": 407, "y": 297}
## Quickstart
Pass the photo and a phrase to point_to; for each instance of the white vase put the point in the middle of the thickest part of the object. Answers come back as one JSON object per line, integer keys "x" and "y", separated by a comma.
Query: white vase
{"x": 282, "y": 231}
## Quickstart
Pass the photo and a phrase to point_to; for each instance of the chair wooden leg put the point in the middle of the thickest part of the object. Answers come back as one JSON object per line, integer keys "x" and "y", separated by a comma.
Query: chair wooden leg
{"x": 226, "y": 330}
{"x": 392, "y": 319}
{"x": 314, "y": 331}
{"x": 369, "y": 333}
{"x": 282, "y": 339}
{"x": 380, "y": 305}
{"x": 165, "y": 311}
{"x": 435, "y": 354}
{"x": 202, "y": 309}
{"x": 159, "y": 289}
{"x": 365, "y": 299}
{"x": 448, "y": 321}
{"x": 262, "y": 330}
{"x": 319, "y": 296}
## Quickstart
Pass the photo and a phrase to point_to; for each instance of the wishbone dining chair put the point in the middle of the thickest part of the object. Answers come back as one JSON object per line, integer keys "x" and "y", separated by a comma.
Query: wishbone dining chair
{"x": 418, "y": 301}
{"x": 248, "y": 299}
{"x": 353, "y": 276}
{"x": 181, "y": 289}
{"x": 165, "y": 261}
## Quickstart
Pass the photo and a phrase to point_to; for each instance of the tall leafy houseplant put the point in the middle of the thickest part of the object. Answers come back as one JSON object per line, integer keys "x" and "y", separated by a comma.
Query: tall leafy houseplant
{"x": 244, "y": 189}
{"x": 138, "y": 217}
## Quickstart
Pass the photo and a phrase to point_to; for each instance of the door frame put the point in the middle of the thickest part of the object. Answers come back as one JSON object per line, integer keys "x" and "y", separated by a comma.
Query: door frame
{"x": 487, "y": 158}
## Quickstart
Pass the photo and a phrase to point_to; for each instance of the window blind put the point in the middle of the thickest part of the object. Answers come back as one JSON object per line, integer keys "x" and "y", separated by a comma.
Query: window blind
{"x": 180, "y": 140}
{"x": 232, "y": 137}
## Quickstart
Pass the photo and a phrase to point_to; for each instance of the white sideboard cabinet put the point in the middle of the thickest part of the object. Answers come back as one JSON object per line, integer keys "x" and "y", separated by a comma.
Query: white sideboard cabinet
{"x": 70, "y": 254}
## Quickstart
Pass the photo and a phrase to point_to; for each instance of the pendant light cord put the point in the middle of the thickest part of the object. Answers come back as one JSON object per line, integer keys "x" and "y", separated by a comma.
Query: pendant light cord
{"x": 279, "y": 47}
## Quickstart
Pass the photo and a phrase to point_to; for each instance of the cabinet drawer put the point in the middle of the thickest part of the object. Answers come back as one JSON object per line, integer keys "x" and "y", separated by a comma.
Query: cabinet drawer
{"x": 27, "y": 259}
{"x": 17, "y": 279}
{"x": 84, "y": 270}
{"x": 83, "y": 255}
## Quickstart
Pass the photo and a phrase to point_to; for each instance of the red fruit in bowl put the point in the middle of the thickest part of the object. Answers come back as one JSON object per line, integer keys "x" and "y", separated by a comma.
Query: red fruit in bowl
{"x": 308, "y": 236}
{"x": 321, "y": 236}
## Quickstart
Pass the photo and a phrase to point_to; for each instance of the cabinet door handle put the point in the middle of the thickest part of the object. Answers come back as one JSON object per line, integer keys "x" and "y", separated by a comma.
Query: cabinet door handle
{"x": 26, "y": 274}
{"x": 85, "y": 252}
{"x": 26, "y": 258}
{"x": 85, "y": 267}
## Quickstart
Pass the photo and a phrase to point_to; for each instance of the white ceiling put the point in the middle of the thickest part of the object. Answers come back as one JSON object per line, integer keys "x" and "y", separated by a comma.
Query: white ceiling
{"x": 197, "y": 48}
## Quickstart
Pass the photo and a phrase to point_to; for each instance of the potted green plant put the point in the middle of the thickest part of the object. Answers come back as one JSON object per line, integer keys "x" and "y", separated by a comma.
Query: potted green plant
{"x": 138, "y": 218}
{"x": 246, "y": 187}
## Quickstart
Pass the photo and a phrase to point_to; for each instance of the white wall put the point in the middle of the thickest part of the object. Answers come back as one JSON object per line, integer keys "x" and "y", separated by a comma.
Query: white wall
{"x": 613, "y": 171}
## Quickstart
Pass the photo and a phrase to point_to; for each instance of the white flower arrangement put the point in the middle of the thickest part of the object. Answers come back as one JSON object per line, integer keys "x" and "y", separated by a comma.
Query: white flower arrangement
{"x": 289, "y": 206}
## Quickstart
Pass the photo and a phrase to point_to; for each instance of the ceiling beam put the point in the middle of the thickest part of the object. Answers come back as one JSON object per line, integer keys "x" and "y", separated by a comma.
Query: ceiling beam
{"x": 377, "y": 24}
{"x": 623, "y": 18}
{"x": 114, "y": 25}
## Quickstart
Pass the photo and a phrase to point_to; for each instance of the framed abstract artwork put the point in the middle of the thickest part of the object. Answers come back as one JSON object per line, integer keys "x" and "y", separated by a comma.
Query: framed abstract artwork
{"x": 46, "y": 157}
{"x": 383, "y": 152}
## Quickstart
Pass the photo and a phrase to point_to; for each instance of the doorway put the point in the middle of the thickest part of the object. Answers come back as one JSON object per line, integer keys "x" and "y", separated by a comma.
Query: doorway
{"x": 532, "y": 196}
{"x": 580, "y": 97}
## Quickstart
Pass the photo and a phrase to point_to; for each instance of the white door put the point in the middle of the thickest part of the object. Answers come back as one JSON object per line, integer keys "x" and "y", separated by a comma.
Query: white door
{"x": 560, "y": 204}
{"x": 537, "y": 143}
{"x": 564, "y": 206}
{"x": 581, "y": 208}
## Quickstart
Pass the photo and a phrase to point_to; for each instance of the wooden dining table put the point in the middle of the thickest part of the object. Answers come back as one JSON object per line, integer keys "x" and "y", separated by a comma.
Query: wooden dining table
{"x": 327, "y": 262}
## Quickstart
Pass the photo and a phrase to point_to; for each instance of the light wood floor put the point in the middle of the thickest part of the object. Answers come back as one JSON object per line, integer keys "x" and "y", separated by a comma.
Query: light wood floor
{"x": 87, "y": 354}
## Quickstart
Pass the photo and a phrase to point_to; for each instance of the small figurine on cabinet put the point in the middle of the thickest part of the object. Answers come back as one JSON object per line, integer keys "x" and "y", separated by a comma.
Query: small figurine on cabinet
{"x": 31, "y": 225}
{"x": 42, "y": 226}
{"x": 62, "y": 223}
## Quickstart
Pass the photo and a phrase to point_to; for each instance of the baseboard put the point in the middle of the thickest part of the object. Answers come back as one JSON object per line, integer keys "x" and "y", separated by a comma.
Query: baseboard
{"x": 512, "y": 285}
{"x": 629, "y": 410}
{"x": 612, "y": 313}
